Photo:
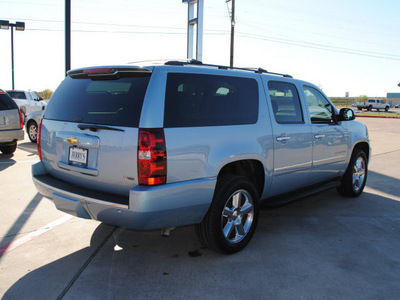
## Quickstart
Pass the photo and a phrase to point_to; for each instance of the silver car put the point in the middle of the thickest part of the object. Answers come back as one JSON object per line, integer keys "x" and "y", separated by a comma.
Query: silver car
{"x": 31, "y": 124}
{"x": 188, "y": 143}
{"x": 11, "y": 124}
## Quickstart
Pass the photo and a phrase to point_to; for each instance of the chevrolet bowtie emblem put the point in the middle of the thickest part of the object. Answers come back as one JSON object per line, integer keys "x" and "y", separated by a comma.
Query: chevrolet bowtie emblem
{"x": 73, "y": 140}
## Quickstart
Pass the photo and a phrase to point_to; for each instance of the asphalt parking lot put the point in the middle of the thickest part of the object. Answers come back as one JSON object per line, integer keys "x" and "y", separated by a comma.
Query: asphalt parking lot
{"x": 322, "y": 247}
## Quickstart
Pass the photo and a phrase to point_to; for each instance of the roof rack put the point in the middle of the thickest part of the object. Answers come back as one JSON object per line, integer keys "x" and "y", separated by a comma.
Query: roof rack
{"x": 199, "y": 63}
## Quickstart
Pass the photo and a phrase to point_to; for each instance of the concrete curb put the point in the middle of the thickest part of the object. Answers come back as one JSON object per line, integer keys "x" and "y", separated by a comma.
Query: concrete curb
{"x": 377, "y": 117}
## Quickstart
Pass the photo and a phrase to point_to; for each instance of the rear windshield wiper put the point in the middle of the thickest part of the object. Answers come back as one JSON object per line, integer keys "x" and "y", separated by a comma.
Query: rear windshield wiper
{"x": 97, "y": 127}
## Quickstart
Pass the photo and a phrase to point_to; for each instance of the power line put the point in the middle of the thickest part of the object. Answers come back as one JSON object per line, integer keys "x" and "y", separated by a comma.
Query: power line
{"x": 321, "y": 46}
{"x": 112, "y": 24}
{"x": 287, "y": 41}
{"x": 330, "y": 46}
{"x": 106, "y": 31}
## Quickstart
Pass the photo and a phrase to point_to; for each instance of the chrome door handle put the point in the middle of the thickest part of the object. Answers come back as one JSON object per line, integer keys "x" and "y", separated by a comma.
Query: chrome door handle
{"x": 319, "y": 136}
{"x": 283, "y": 138}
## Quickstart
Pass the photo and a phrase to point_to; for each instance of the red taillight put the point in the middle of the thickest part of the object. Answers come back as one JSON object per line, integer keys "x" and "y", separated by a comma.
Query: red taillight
{"x": 38, "y": 139}
{"x": 21, "y": 120}
{"x": 152, "y": 157}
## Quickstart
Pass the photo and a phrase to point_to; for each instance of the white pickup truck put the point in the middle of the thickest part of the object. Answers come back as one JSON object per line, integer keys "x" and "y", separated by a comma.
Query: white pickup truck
{"x": 373, "y": 104}
{"x": 27, "y": 101}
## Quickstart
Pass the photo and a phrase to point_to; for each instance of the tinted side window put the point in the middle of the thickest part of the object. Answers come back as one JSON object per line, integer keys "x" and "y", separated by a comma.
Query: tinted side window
{"x": 321, "y": 111}
{"x": 285, "y": 102}
{"x": 193, "y": 100}
{"x": 108, "y": 102}
{"x": 7, "y": 103}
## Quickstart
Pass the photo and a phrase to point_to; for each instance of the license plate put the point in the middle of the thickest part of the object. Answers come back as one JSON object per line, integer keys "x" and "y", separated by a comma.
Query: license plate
{"x": 78, "y": 156}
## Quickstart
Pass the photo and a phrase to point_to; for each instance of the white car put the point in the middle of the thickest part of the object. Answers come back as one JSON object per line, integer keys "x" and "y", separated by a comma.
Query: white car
{"x": 27, "y": 101}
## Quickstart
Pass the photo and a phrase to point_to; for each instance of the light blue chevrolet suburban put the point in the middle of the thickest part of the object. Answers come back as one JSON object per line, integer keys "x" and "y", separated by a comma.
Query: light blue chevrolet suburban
{"x": 189, "y": 143}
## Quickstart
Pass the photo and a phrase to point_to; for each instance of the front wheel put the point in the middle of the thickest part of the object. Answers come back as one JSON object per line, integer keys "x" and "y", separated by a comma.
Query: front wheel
{"x": 353, "y": 181}
{"x": 386, "y": 108}
{"x": 232, "y": 217}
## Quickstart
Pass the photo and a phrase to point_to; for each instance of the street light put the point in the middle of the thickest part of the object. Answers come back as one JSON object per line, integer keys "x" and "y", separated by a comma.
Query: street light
{"x": 20, "y": 26}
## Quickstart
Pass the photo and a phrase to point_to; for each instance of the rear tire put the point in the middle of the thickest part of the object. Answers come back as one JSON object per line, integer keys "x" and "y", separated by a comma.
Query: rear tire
{"x": 32, "y": 131}
{"x": 232, "y": 217}
{"x": 386, "y": 108}
{"x": 353, "y": 181}
{"x": 9, "y": 149}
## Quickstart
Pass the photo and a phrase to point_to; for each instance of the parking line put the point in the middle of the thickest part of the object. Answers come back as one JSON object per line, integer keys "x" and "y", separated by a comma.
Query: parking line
{"x": 21, "y": 241}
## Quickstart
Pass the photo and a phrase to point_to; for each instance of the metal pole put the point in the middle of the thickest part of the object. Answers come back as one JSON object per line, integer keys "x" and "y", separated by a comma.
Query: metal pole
{"x": 199, "y": 34}
{"x": 232, "y": 31}
{"x": 67, "y": 36}
{"x": 12, "y": 56}
{"x": 190, "y": 31}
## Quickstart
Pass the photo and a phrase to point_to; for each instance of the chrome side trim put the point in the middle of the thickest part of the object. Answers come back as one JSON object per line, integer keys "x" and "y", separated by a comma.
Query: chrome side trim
{"x": 329, "y": 160}
{"x": 293, "y": 168}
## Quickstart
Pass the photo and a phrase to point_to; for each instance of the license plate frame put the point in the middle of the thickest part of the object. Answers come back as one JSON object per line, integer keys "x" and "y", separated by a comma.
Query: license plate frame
{"x": 78, "y": 156}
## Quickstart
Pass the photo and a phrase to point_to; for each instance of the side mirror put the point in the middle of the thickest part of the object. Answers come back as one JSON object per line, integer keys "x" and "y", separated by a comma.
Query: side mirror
{"x": 40, "y": 98}
{"x": 346, "y": 114}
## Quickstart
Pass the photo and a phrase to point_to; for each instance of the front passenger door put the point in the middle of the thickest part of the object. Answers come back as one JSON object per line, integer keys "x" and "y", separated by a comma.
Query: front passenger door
{"x": 329, "y": 137}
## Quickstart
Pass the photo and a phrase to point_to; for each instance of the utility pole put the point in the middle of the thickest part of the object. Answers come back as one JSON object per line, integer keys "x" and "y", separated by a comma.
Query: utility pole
{"x": 232, "y": 31}
{"x": 18, "y": 26}
{"x": 67, "y": 36}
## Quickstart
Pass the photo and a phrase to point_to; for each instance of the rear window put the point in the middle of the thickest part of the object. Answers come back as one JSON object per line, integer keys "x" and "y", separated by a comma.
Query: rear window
{"x": 108, "y": 102}
{"x": 6, "y": 102}
{"x": 194, "y": 100}
{"x": 17, "y": 95}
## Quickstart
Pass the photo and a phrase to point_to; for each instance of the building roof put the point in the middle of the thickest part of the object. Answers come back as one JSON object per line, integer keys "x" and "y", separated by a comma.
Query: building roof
{"x": 393, "y": 95}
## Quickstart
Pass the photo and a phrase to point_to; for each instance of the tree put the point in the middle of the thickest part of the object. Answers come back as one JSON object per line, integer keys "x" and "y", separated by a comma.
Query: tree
{"x": 46, "y": 94}
{"x": 362, "y": 98}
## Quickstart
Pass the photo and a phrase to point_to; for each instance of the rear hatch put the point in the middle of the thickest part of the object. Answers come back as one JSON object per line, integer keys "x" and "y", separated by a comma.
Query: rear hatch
{"x": 90, "y": 130}
{"x": 9, "y": 115}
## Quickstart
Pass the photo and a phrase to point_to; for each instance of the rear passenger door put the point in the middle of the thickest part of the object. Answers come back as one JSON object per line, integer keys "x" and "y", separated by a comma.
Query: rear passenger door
{"x": 329, "y": 137}
{"x": 292, "y": 138}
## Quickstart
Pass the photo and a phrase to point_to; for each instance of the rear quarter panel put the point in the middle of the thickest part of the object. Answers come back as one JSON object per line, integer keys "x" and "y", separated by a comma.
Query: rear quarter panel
{"x": 201, "y": 152}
